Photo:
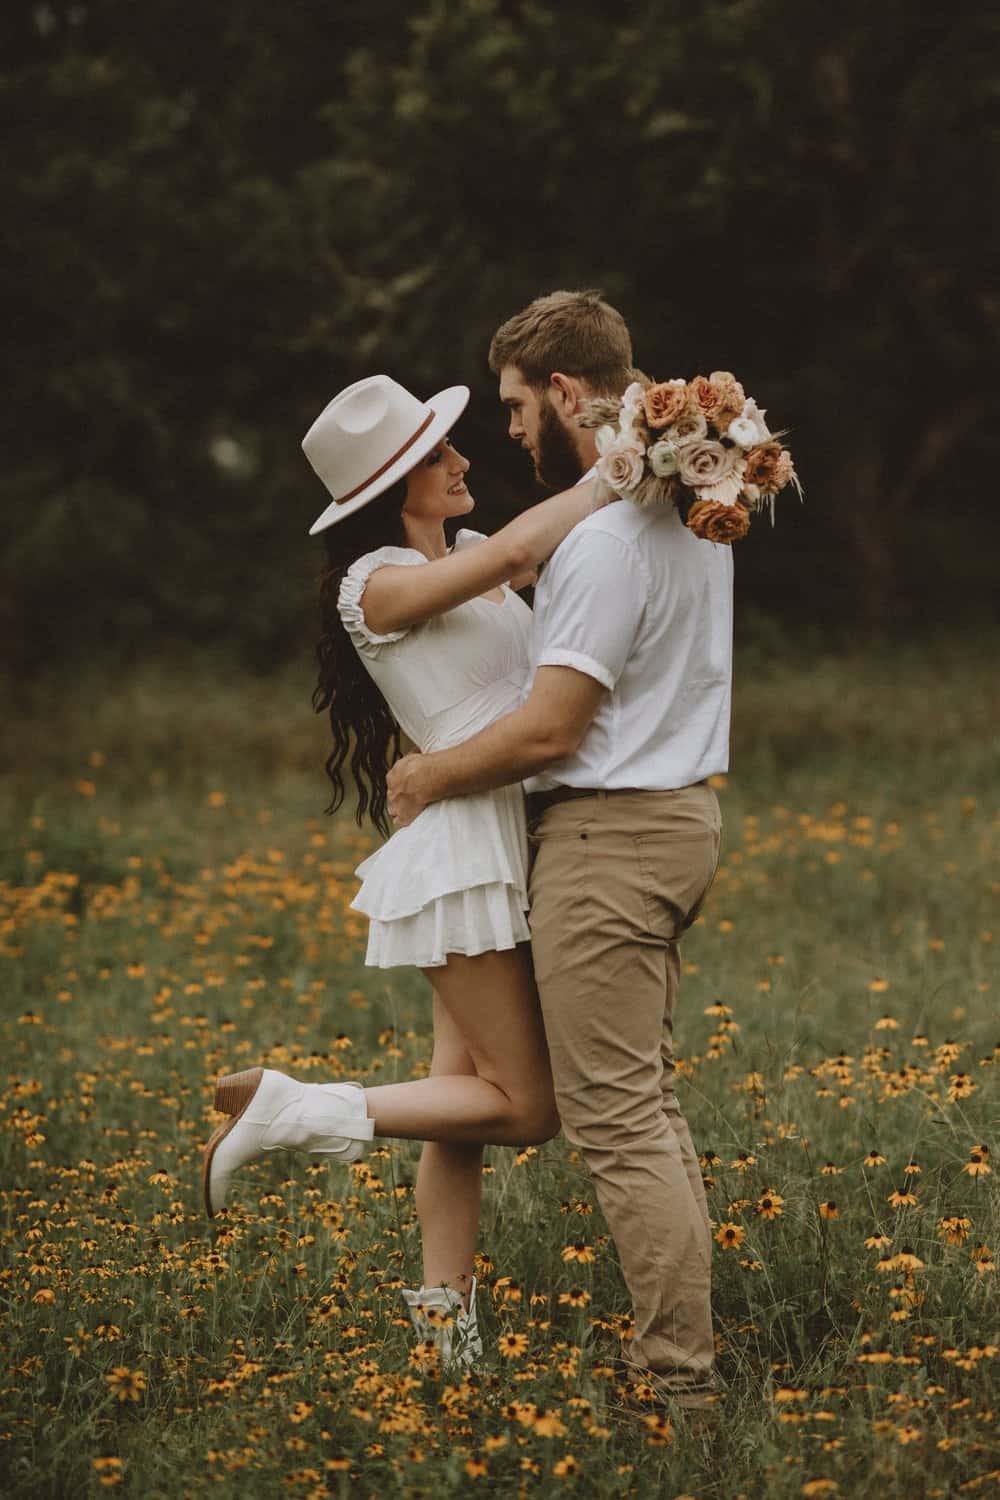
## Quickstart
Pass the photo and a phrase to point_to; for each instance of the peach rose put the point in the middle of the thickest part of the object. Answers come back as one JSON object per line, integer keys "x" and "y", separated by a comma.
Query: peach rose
{"x": 720, "y": 398}
{"x": 704, "y": 397}
{"x": 729, "y": 388}
{"x": 714, "y": 522}
{"x": 665, "y": 402}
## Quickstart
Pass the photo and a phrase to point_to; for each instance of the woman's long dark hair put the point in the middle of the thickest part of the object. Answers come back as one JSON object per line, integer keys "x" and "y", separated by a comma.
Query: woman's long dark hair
{"x": 365, "y": 734}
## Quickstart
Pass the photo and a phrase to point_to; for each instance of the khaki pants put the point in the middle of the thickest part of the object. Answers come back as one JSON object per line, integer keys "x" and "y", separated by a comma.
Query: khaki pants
{"x": 615, "y": 880}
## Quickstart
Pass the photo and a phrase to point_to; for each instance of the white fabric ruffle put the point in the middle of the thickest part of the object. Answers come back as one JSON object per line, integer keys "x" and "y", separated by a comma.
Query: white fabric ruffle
{"x": 353, "y": 586}
{"x": 485, "y": 919}
{"x": 413, "y": 888}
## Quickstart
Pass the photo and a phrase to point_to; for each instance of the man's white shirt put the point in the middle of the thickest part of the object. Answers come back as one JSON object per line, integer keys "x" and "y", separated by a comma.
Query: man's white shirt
{"x": 635, "y": 600}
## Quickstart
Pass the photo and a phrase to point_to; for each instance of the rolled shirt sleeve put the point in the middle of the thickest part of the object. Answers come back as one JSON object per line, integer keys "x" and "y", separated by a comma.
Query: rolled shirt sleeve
{"x": 595, "y": 598}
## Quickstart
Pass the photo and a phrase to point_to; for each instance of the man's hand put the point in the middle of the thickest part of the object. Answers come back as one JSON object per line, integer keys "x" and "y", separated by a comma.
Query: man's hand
{"x": 408, "y": 789}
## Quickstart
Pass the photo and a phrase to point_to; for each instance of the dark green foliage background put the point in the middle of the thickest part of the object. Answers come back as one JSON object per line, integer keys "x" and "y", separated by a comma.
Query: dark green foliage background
{"x": 215, "y": 216}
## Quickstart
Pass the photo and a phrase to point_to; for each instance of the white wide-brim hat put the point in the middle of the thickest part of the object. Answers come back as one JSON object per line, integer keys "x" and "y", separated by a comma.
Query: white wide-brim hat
{"x": 370, "y": 435}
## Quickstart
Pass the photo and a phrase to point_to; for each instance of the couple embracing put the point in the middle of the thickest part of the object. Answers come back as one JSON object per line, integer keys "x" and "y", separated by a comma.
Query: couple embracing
{"x": 555, "y": 835}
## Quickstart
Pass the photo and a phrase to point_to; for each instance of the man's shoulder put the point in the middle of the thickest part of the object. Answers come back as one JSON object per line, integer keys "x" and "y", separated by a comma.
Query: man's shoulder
{"x": 620, "y": 522}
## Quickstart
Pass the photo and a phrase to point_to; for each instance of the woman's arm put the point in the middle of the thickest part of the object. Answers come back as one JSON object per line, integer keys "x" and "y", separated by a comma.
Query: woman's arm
{"x": 398, "y": 597}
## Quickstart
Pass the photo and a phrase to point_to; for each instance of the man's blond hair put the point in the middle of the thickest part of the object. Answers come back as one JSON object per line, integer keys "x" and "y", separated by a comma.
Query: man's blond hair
{"x": 575, "y": 333}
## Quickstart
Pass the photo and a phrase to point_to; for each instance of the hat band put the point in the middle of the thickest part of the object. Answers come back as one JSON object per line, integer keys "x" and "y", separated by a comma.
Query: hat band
{"x": 343, "y": 499}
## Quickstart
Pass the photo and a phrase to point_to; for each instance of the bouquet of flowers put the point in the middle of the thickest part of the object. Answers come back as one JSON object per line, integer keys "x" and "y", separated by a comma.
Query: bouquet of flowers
{"x": 700, "y": 444}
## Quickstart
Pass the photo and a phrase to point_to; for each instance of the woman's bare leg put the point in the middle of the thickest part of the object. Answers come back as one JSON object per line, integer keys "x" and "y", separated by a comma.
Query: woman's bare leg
{"x": 492, "y": 1002}
{"x": 449, "y": 1178}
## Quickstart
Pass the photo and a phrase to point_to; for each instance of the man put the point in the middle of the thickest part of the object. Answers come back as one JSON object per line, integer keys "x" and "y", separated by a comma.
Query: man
{"x": 626, "y": 718}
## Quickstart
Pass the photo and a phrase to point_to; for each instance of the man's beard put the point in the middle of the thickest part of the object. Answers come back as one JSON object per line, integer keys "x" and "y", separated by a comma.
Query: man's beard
{"x": 557, "y": 463}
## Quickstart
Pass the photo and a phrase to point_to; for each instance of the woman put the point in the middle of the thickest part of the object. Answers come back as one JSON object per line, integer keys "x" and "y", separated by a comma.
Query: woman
{"x": 436, "y": 643}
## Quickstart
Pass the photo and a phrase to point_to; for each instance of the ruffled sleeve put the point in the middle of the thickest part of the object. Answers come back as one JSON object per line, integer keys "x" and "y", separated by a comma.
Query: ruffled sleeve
{"x": 466, "y": 538}
{"x": 353, "y": 586}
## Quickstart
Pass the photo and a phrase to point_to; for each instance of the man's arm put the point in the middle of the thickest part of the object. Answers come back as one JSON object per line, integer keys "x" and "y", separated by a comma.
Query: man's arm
{"x": 548, "y": 726}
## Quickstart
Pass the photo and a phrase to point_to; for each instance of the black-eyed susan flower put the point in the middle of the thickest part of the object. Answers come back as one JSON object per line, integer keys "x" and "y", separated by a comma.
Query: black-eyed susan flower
{"x": 830, "y": 1170}
{"x": 770, "y": 1204}
{"x": 829, "y": 1210}
{"x": 908, "y": 1260}
{"x": 126, "y": 1384}
{"x": 954, "y": 1229}
{"x": 874, "y": 1158}
{"x": 902, "y": 1198}
{"x": 477, "y": 1468}
{"x": 513, "y": 1345}
{"x": 659, "y": 1432}
{"x": 578, "y": 1252}
{"x": 577, "y": 1296}
{"x": 730, "y": 1236}
{"x": 566, "y": 1467}
{"x": 978, "y": 1165}
{"x": 743, "y": 1162}
{"x": 109, "y": 1470}
{"x": 548, "y": 1424}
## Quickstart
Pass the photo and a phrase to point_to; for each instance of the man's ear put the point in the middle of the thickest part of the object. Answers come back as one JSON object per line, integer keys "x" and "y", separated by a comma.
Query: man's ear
{"x": 565, "y": 393}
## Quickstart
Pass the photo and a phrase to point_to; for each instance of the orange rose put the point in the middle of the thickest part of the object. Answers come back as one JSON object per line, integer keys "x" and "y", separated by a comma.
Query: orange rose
{"x": 665, "y": 402}
{"x": 720, "y": 398}
{"x": 769, "y": 467}
{"x": 715, "y": 522}
{"x": 705, "y": 397}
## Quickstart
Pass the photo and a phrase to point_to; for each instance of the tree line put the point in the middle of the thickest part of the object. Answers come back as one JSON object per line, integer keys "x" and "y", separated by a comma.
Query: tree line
{"x": 217, "y": 216}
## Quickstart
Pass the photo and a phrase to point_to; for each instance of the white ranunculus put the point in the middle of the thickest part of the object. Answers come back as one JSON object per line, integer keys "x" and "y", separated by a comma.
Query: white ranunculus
{"x": 632, "y": 399}
{"x": 663, "y": 459}
{"x": 743, "y": 432}
{"x": 752, "y": 413}
{"x": 605, "y": 436}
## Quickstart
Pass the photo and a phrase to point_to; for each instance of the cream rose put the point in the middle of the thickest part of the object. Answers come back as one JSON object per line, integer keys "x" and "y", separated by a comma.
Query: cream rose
{"x": 705, "y": 462}
{"x": 712, "y": 471}
{"x": 621, "y": 466}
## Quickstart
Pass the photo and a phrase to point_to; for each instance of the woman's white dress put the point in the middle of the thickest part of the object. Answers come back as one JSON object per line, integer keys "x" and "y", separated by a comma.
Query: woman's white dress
{"x": 454, "y": 880}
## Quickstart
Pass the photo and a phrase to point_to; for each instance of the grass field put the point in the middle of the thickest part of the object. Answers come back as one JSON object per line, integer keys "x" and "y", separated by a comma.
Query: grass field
{"x": 173, "y": 904}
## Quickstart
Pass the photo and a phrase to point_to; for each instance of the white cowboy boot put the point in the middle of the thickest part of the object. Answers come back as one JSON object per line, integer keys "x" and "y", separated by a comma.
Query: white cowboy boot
{"x": 438, "y": 1315}
{"x": 272, "y": 1112}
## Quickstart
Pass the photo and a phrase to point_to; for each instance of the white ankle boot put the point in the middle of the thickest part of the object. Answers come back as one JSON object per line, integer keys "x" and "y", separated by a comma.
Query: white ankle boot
{"x": 438, "y": 1315}
{"x": 272, "y": 1112}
